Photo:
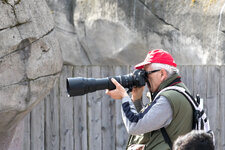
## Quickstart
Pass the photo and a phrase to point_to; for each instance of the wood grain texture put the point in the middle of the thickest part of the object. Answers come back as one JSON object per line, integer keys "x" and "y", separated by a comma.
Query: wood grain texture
{"x": 94, "y": 113}
{"x": 221, "y": 145}
{"x": 80, "y": 114}
{"x": 93, "y": 121}
{"x": 52, "y": 119}
{"x": 108, "y": 114}
{"x": 213, "y": 102}
{"x": 66, "y": 129}
{"x": 121, "y": 133}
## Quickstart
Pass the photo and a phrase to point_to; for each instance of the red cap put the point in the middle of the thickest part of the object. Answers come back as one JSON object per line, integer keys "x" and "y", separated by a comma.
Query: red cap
{"x": 157, "y": 56}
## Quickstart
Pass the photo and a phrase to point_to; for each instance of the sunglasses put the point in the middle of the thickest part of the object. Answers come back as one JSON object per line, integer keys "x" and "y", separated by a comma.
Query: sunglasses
{"x": 150, "y": 72}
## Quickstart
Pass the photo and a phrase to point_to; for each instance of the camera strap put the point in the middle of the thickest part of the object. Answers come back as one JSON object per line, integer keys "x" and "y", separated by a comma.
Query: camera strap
{"x": 166, "y": 137}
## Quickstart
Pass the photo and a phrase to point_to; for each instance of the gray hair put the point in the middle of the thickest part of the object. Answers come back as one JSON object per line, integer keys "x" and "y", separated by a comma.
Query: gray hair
{"x": 169, "y": 69}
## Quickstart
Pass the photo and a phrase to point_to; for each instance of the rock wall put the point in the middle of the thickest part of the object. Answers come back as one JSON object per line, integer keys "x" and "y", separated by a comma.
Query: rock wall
{"x": 95, "y": 32}
{"x": 30, "y": 61}
{"x": 121, "y": 32}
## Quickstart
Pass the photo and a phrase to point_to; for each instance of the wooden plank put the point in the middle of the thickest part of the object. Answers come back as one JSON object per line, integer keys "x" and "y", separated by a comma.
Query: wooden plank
{"x": 108, "y": 115}
{"x": 80, "y": 114}
{"x": 121, "y": 133}
{"x": 200, "y": 82}
{"x": 98, "y": 124}
{"x": 222, "y": 108}
{"x": 94, "y": 113}
{"x": 37, "y": 127}
{"x": 26, "y": 137}
{"x": 66, "y": 112}
{"x": 52, "y": 119}
{"x": 213, "y": 103}
{"x": 186, "y": 73}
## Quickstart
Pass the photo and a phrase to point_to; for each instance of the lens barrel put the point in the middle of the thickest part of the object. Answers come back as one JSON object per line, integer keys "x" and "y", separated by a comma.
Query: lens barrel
{"x": 80, "y": 86}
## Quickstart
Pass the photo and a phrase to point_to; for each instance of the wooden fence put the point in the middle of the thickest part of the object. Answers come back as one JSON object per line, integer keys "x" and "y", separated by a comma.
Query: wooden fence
{"x": 93, "y": 121}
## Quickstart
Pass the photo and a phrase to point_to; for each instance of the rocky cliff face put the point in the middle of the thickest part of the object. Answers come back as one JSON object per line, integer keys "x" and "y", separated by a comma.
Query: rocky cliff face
{"x": 121, "y": 32}
{"x": 95, "y": 32}
{"x": 30, "y": 60}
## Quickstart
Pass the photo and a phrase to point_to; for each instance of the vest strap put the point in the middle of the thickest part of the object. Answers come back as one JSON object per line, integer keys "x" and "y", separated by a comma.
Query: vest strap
{"x": 166, "y": 137}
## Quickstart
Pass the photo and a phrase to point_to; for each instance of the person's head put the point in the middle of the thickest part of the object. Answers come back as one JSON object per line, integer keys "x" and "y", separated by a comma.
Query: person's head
{"x": 194, "y": 140}
{"x": 160, "y": 65}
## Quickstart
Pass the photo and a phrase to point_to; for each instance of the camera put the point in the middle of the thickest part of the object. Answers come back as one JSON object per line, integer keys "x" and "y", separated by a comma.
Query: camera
{"x": 80, "y": 86}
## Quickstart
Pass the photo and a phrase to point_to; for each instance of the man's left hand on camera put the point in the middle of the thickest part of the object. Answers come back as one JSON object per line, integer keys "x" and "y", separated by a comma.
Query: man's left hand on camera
{"x": 137, "y": 93}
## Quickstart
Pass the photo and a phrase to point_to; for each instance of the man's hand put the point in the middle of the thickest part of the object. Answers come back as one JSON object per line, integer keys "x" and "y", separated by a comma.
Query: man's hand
{"x": 137, "y": 93}
{"x": 117, "y": 93}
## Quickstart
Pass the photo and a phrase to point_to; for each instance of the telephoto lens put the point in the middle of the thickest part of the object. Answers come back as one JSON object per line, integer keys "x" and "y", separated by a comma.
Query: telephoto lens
{"x": 80, "y": 86}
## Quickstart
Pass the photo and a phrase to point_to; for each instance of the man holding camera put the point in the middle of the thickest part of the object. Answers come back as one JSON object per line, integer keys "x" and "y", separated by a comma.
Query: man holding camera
{"x": 168, "y": 115}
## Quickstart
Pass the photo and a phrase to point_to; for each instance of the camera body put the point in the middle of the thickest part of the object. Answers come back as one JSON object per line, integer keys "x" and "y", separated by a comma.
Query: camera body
{"x": 80, "y": 86}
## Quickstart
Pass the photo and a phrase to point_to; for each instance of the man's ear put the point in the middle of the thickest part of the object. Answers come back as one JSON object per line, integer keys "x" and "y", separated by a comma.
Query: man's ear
{"x": 163, "y": 74}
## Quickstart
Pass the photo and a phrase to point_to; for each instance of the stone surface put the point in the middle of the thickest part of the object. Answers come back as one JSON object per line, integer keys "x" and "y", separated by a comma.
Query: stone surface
{"x": 73, "y": 52}
{"x": 30, "y": 62}
{"x": 95, "y": 32}
{"x": 122, "y": 32}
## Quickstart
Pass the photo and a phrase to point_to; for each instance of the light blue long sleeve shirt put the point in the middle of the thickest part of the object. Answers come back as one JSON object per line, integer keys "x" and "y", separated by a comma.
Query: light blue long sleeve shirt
{"x": 154, "y": 116}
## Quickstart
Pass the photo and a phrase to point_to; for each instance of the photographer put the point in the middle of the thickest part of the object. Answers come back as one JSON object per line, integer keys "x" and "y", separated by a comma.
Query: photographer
{"x": 170, "y": 110}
